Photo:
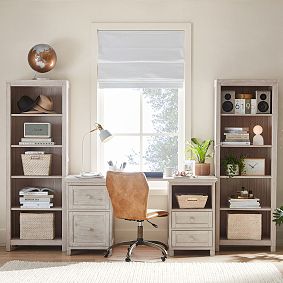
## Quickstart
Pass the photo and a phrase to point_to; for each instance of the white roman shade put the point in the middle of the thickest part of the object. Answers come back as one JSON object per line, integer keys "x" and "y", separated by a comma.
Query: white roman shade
{"x": 133, "y": 59}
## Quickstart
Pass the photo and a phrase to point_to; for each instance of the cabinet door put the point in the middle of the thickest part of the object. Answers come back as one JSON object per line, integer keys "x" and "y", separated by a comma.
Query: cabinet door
{"x": 89, "y": 229}
{"x": 88, "y": 197}
{"x": 191, "y": 219}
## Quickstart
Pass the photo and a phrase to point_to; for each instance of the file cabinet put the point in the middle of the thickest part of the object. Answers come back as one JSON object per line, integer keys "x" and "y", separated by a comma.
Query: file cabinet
{"x": 192, "y": 229}
{"x": 88, "y": 214}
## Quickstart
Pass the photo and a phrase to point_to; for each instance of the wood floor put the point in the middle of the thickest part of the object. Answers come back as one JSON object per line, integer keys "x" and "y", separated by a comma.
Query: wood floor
{"x": 141, "y": 254}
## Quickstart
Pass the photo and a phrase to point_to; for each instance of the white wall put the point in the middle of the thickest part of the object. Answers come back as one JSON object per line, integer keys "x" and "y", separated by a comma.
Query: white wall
{"x": 230, "y": 39}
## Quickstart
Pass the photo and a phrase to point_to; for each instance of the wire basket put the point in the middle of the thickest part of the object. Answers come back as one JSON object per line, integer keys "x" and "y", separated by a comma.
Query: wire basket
{"x": 244, "y": 226}
{"x": 37, "y": 226}
{"x": 191, "y": 201}
{"x": 36, "y": 165}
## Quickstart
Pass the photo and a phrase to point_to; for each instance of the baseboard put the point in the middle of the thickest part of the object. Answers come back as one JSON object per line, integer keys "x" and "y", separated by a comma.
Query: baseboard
{"x": 2, "y": 237}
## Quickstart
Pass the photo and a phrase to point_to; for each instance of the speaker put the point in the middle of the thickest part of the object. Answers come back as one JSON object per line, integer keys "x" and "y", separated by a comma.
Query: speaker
{"x": 228, "y": 101}
{"x": 263, "y": 101}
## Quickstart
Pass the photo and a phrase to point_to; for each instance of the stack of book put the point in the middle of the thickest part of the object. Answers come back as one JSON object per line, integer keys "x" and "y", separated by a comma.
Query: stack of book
{"x": 36, "y": 141}
{"x": 34, "y": 197}
{"x": 236, "y": 136}
{"x": 244, "y": 203}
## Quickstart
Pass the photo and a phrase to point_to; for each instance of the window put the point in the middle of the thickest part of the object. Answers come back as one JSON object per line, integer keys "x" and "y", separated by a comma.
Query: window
{"x": 141, "y": 98}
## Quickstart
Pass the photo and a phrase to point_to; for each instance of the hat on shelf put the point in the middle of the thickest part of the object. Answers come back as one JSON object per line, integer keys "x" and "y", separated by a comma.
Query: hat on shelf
{"x": 42, "y": 104}
{"x": 25, "y": 103}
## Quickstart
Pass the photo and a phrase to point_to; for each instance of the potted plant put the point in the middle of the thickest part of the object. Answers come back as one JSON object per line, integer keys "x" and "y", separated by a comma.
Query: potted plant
{"x": 278, "y": 215}
{"x": 233, "y": 166}
{"x": 200, "y": 151}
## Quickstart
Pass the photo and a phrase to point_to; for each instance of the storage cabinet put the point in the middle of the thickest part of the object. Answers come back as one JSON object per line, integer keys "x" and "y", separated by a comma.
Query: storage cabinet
{"x": 263, "y": 112}
{"x": 192, "y": 229}
{"x": 88, "y": 214}
{"x": 16, "y": 180}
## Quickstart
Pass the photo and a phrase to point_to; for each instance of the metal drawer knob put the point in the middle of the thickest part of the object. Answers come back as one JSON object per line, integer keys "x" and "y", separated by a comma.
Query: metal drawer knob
{"x": 192, "y": 238}
{"x": 89, "y": 196}
{"x": 192, "y": 219}
{"x": 90, "y": 229}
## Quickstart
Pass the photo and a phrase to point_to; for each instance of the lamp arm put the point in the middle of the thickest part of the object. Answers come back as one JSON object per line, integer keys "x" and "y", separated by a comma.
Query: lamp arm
{"x": 98, "y": 126}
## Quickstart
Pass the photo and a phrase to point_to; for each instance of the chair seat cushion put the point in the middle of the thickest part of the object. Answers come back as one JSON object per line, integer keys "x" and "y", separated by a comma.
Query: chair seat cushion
{"x": 152, "y": 213}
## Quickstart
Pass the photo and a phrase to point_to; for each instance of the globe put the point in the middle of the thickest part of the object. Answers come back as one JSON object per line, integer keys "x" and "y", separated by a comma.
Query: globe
{"x": 42, "y": 58}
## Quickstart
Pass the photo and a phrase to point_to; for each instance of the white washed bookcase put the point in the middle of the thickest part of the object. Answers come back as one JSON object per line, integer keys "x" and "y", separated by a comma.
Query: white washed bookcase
{"x": 58, "y": 90}
{"x": 264, "y": 187}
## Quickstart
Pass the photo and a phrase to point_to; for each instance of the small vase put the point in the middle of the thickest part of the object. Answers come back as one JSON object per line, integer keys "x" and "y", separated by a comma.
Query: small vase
{"x": 230, "y": 171}
{"x": 202, "y": 169}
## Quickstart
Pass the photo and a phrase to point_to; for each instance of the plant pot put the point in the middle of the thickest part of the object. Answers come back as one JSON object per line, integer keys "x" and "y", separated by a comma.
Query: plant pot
{"x": 230, "y": 171}
{"x": 202, "y": 169}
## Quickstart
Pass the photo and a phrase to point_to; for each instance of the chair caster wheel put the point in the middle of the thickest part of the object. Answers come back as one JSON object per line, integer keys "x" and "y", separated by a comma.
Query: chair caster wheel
{"x": 127, "y": 259}
{"x": 163, "y": 258}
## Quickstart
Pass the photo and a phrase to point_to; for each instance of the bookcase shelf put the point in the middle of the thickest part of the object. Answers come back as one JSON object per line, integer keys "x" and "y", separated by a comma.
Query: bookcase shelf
{"x": 20, "y": 242}
{"x": 36, "y": 115}
{"x": 248, "y": 146}
{"x": 246, "y": 209}
{"x": 246, "y": 115}
{"x": 58, "y": 91}
{"x": 37, "y": 209}
{"x": 54, "y": 146}
{"x": 263, "y": 187}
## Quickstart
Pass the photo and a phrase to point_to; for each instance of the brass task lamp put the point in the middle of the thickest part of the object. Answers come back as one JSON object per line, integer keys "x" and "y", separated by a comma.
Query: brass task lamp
{"x": 104, "y": 135}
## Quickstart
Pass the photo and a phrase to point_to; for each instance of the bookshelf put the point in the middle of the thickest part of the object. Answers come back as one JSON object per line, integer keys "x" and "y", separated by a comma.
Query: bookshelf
{"x": 264, "y": 186}
{"x": 16, "y": 180}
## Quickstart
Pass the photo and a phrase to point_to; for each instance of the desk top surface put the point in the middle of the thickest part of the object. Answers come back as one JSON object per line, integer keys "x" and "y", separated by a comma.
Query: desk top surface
{"x": 173, "y": 180}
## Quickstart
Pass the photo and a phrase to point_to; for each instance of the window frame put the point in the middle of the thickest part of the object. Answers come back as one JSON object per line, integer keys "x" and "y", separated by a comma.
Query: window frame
{"x": 184, "y": 101}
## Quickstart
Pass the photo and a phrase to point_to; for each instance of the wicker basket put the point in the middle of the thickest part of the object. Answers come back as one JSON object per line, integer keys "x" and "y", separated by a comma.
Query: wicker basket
{"x": 37, "y": 226}
{"x": 36, "y": 165}
{"x": 191, "y": 201}
{"x": 244, "y": 226}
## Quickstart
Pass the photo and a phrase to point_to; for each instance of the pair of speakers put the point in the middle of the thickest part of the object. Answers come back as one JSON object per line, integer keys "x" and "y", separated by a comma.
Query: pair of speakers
{"x": 263, "y": 101}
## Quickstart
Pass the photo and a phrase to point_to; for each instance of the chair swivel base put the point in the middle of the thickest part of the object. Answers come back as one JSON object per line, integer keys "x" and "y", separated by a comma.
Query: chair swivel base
{"x": 140, "y": 242}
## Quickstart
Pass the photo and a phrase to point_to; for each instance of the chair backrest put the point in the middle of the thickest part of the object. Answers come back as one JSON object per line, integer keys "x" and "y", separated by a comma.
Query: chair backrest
{"x": 128, "y": 193}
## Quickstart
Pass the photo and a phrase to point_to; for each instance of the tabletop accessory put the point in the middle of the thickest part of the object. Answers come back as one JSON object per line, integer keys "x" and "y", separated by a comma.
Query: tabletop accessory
{"x": 104, "y": 135}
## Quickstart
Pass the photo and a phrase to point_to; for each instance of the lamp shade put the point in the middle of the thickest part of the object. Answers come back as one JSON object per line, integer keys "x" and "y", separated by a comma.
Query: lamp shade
{"x": 104, "y": 135}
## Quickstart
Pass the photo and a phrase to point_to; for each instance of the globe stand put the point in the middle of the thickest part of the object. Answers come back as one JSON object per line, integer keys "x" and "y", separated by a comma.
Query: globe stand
{"x": 35, "y": 77}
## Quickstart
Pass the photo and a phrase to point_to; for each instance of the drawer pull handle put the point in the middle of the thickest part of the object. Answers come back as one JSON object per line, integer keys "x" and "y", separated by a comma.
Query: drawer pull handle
{"x": 89, "y": 196}
{"x": 192, "y": 238}
{"x": 192, "y": 219}
{"x": 90, "y": 229}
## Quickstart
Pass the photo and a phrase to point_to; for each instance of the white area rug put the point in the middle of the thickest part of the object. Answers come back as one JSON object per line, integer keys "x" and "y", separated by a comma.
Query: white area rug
{"x": 135, "y": 272}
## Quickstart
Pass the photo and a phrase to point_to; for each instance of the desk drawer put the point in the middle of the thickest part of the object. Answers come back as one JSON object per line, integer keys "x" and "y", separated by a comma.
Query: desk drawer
{"x": 191, "y": 219}
{"x": 88, "y": 197}
{"x": 191, "y": 238}
{"x": 89, "y": 229}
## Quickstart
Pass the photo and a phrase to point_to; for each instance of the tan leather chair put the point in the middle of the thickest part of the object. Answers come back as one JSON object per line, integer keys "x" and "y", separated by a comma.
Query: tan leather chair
{"x": 129, "y": 194}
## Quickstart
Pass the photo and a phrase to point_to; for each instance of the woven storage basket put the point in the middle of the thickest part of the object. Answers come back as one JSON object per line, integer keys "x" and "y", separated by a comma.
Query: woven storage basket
{"x": 37, "y": 226}
{"x": 244, "y": 226}
{"x": 36, "y": 165}
{"x": 191, "y": 201}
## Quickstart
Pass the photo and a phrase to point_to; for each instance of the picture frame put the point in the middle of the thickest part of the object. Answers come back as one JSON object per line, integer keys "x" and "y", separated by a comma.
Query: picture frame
{"x": 254, "y": 167}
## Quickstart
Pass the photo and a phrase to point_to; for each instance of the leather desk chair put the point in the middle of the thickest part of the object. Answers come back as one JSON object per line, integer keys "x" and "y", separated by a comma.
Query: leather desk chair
{"x": 129, "y": 194}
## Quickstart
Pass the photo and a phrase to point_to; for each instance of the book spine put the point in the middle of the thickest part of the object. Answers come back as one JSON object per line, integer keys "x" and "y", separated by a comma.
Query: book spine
{"x": 35, "y": 205}
{"x": 236, "y": 143}
{"x": 36, "y": 143}
{"x": 23, "y": 199}
{"x": 36, "y": 139}
{"x": 247, "y": 106}
{"x": 239, "y": 106}
{"x": 33, "y": 193}
{"x": 253, "y": 106}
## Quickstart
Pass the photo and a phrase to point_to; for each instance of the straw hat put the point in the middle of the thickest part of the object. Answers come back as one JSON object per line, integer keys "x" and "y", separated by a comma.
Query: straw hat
{"x": 43, "y": 104}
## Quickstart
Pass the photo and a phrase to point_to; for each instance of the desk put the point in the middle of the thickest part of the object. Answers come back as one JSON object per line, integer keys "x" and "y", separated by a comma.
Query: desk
{"x": 88, "y": 219}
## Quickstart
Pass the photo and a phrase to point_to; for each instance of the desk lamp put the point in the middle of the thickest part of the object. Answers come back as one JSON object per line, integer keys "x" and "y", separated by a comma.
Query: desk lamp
{"x": 104, "y": 135}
